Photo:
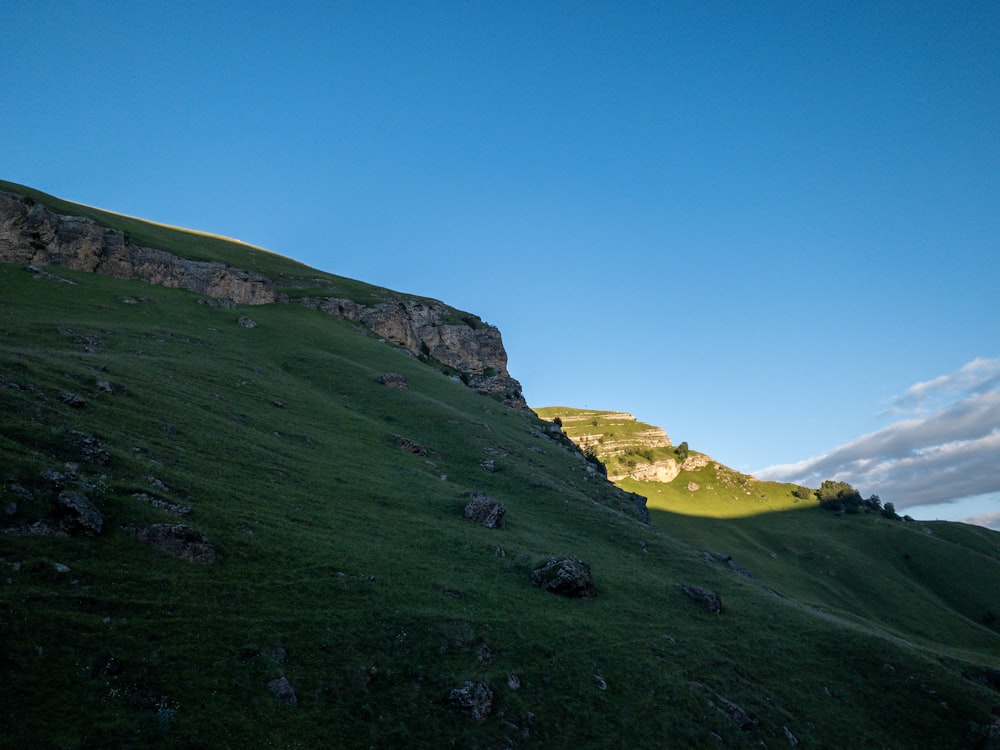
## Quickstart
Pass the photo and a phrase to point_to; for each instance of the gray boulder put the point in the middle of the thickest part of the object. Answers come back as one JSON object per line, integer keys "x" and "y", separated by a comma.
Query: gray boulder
{"x": 77, "y": 515}
{"x": 484, "y": 510}
{"x": 473, "y": 698}
{"x": 566, "y": 576}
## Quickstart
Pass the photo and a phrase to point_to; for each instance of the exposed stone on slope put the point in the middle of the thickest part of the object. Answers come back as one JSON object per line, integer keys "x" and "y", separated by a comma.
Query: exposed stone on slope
{"x": 178, "y": 540}
{"x": 696, "y": 461}
{"x": 34, "y": 234}
{"x": 425, "y": 328}
{"x": 663, "y": 470}
{"x": 609, "y": 445}
{"x": 73, "y": 400}
{"x": 484, "y": 510}
{"x": 77, "y": 515}
{"x": 90, "y": 448}
{"x": 393, "y": 380}
{"x": 567, "y": 576}
{"x": 410, "y": 447}
{"x": 722, "y": 557}
{"x": 634, "y": 504}
{"x": 473, "y": 698}
{"x": 706, "y": 598}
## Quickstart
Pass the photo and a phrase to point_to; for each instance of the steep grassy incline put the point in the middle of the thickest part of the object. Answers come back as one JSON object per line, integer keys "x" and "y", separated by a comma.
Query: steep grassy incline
{"x": 350, "y": 603}
{"x": 291, "y": 277}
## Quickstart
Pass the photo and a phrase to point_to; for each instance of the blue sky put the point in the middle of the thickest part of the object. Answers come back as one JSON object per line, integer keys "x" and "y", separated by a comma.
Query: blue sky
{"x": 771, "y": 228}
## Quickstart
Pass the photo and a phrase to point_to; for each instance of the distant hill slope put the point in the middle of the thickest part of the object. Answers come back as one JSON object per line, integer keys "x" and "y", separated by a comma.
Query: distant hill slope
{"x": 641, "y": 458}
{"x": 235, "y": 525}
{"x": 939, "y": 582}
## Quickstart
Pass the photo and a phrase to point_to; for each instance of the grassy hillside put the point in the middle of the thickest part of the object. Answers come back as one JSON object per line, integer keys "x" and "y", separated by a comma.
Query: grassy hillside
{"x": 291, "y": 277}
{"x": 935, "y": 582}
{"x": 702, "y": 487}
{"x": 345, "y": 565}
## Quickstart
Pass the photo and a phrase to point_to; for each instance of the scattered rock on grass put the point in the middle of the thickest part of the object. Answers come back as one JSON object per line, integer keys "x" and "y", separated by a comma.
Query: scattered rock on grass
{"x": 473, "y": 698}
{"x": 410, "y": 447}
{"x": 566, "y": 576}
{"x": 77, "y": 515}
{"x": 178, "y": 540}
{"x": 162, "y": 504}
{"x": 89, "y": 447}
{"x": 708, "y": 599}
{"x": 71, "y": 399}
{"x": 484, "y": 510}
{"x": 393, "y": 380}
{"x": 728, "y": 560}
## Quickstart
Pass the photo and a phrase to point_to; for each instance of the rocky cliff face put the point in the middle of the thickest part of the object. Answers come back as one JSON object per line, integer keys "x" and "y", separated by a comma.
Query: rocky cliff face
{"x": 425, "y": 328}
{"x": 34, "y": 234}
{"x": 628, "y": 448}
{"x": 605, "y": 435}
{"x": 663, "y": 470}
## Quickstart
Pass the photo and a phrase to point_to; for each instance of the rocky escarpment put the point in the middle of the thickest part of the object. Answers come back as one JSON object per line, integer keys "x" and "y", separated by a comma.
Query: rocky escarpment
{"x": 605, "y": 433}
{"x": 629, "y": 449}
{"x": 663, "y": 470}
{"x": 34, "y": 234}
{"x": 431, "y": 329}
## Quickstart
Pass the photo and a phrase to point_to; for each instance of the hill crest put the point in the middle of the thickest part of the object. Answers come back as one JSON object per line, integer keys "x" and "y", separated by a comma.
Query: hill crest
{"x": 36, "y": 229}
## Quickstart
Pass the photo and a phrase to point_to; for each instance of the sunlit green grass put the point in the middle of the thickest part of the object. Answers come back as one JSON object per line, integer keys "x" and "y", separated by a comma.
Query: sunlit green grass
{"x": 718, "y": 492}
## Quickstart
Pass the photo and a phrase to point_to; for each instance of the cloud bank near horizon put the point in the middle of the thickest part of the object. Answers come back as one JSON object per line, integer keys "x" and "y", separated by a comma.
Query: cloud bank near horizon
{"x": 945, "y": 446}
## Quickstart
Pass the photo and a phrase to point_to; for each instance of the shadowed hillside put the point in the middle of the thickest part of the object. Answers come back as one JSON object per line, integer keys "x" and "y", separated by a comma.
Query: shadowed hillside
{"x": 261, "y": 525}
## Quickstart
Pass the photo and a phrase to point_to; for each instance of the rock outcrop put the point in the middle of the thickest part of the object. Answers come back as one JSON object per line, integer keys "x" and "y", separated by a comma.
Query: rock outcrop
{"x": 430, "y": 329}
{"x": 484, "y": 510}
{"x": 566, "y": 576}
{"x": 609, "y": 441}
{"x": 36, "y": 235}
{"x": 393, "y": 380}
{"x": 77, "y": 515}
{"x": 662, "y": 470}
{"x": 473, "y": 698}
{"x": 177, "y": 540}
{"x": 706, "y": 598}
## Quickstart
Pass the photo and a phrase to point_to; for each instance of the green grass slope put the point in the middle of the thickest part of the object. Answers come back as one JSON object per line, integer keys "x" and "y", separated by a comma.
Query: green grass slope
{"x": 345, "y": 565}
{"x": 290, "y": 277}
{"x": 937, "y": 583}
{"x": 707, "y": 489}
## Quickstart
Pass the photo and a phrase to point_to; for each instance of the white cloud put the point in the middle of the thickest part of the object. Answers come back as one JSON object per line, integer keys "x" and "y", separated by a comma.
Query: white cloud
{"x": 977, "y": 376}
{"x": 948, "y": 447}
{"x": 989, "y": 520}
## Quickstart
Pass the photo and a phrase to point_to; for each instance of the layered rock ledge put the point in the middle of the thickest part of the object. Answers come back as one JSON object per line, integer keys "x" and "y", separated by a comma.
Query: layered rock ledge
{"x": 34, "y": 234}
